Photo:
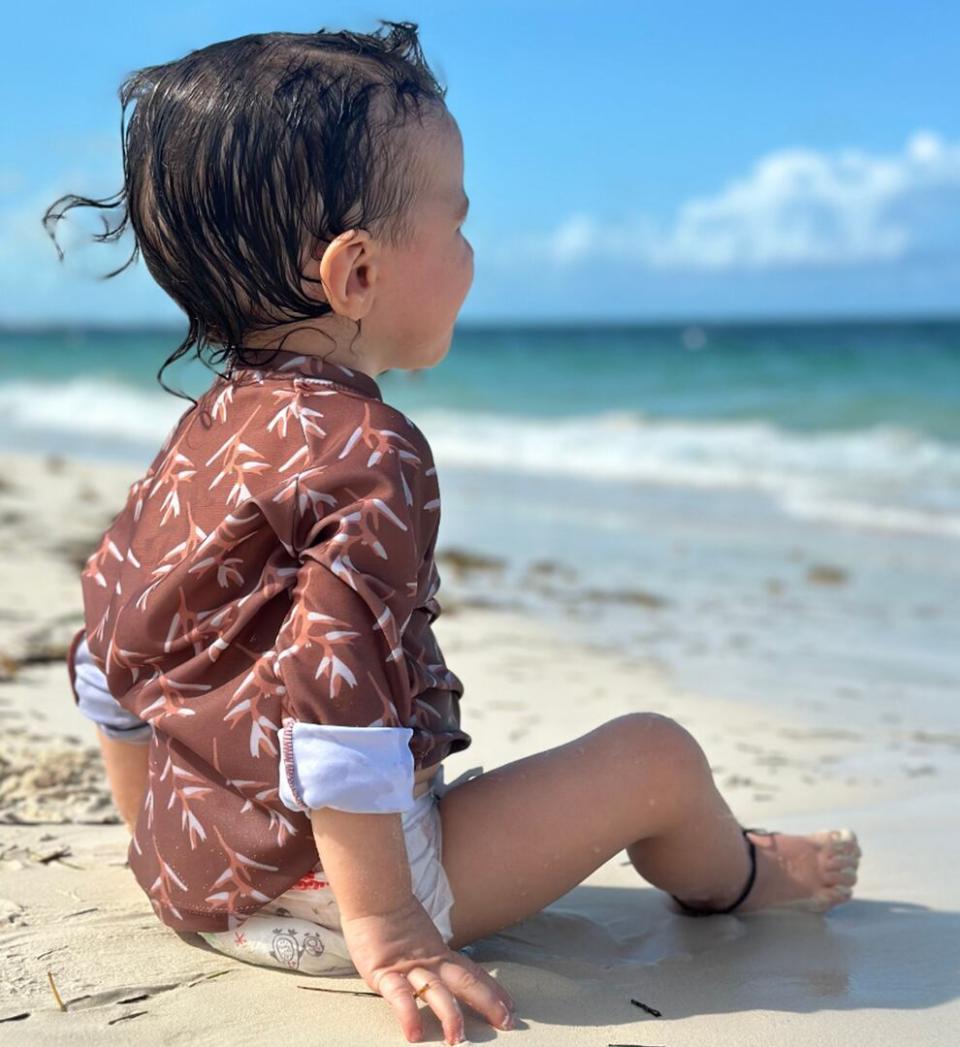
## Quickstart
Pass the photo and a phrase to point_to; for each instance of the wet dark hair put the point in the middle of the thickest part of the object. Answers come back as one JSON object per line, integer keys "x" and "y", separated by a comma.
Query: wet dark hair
{"x": 241, "y": 156}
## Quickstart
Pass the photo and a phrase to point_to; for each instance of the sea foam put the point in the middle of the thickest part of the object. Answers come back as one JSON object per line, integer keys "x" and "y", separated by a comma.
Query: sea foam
{"x": 883, "y": 476}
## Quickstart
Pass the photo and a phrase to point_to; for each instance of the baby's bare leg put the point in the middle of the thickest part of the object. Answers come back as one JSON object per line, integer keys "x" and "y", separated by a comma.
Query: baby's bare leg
{"x": 518, "y": 837}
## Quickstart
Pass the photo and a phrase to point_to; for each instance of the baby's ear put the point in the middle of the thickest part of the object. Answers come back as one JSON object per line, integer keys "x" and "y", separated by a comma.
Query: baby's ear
{"x": 348, "y": 272}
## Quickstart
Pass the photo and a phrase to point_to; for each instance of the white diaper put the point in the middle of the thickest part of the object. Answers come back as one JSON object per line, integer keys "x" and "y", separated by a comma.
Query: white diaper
{"x": 301, "y": 929}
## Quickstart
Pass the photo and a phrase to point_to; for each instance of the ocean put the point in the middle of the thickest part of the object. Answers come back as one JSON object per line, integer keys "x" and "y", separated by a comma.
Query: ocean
{"x": 771, "y": 508}
{"x": 852, "y": 422}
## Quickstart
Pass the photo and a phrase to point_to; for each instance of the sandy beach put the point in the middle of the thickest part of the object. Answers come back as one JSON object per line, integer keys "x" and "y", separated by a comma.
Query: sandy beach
{"x": 882, "y": 969}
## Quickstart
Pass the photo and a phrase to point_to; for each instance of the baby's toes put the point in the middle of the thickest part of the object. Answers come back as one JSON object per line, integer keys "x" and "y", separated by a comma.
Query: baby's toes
{"x": 839, "y": 858}
{"x": 849, "y": 875}
{"x": 841, "y": 844}
{"x": 844, "y": 840}
{"x": 845, "y": 875}
{"x": 836, "y": 863}
{"x": 838, "y": 894}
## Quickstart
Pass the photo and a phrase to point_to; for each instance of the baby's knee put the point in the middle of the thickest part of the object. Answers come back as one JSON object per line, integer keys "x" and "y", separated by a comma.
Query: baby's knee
{"x": 655, "y": 740}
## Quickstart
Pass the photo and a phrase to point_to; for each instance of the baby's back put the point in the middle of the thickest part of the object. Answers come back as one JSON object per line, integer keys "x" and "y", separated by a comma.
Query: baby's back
{"x": 294, "y": 474}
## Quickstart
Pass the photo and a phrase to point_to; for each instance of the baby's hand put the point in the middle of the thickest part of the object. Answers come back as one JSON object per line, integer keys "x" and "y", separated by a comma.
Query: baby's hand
{"x": 398, "y": 952}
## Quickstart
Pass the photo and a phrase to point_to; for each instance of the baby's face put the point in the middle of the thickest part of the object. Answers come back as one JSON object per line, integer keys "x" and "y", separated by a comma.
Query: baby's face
{"x": 421, "y": 287}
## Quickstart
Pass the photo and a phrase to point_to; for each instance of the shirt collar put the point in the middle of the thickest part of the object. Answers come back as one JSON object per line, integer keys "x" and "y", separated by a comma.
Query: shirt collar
{"x": 284, "y": 361}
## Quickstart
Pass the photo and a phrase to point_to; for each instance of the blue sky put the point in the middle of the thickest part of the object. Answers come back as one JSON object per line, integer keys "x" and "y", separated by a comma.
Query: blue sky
{"x": 624, "y": 161}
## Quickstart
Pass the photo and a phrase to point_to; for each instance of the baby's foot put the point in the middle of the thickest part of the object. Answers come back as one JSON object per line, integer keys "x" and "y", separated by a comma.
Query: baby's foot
{"x": 815, "y": 872}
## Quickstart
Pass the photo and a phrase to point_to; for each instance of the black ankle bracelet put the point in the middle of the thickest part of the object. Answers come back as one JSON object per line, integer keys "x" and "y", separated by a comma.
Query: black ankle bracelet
{"x": 694, "y": 911}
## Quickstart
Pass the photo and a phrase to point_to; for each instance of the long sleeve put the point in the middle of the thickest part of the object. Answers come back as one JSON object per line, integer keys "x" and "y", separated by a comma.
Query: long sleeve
{"x": 360, "y": 527}
{"x": 94, "y": 700}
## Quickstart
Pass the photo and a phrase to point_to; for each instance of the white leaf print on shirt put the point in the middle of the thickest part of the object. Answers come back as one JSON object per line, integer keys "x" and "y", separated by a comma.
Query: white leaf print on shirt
{"x": 293, "y": 407}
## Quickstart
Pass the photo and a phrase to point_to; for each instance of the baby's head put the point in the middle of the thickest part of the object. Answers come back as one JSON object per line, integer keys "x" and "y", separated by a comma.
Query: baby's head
{"x": 301, "y": 191}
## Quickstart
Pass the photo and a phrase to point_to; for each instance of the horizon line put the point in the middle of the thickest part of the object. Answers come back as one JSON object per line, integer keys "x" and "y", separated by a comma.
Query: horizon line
{"x": 745, "y": 320}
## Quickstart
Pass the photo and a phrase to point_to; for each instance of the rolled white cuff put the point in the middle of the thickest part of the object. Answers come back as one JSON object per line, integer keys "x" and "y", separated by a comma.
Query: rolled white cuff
{"x": 96, "y": 703}
{"x": 367, "y": 770}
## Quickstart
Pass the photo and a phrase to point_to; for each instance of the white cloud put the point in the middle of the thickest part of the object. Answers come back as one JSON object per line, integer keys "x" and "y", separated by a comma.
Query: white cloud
{"x": 796, "y": 207}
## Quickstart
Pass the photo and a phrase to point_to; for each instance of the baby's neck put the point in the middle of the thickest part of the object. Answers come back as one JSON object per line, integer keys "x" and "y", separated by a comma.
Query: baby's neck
{"x": 322, "y": 342}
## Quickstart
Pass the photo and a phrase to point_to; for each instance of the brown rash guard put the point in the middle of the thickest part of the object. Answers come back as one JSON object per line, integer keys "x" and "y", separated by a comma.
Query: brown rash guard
{"x": 274, "y": 568}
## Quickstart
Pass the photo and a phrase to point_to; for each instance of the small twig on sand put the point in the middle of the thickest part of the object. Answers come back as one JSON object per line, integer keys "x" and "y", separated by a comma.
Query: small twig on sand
{"x": 126, "y": 1017}
{"x": 61, "y": 852}
{"x": 58, "y": 855}
{"x": 56, "y": 995}
{"x": 208, "y": 977}
{"x": 351, "y": 992}
{"x": 70, "y": 865}
{"x": 644, "y": 1007}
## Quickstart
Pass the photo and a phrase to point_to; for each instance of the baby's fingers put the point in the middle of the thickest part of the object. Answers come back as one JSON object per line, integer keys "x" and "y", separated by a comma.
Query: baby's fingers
{"x": 440, "y": 998}
{"x": 398, "y": 991}
{"x": 472, "y": 984}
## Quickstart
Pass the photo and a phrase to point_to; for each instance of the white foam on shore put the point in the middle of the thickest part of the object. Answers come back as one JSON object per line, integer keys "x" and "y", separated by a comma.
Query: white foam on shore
{"x": 84, "y": 407}
{"x": 882, "y": 477}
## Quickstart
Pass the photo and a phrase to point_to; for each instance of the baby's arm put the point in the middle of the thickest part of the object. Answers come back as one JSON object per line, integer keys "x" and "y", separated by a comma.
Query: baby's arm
{"x": 126, "y": 764}
{"x": 364, "y": 858}
{"x": 389, "y": 934}
{"x": 123, "y": 736}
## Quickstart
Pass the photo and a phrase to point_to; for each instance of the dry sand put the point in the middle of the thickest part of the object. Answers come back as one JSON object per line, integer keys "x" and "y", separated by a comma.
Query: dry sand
{"x": 883, "y": 969}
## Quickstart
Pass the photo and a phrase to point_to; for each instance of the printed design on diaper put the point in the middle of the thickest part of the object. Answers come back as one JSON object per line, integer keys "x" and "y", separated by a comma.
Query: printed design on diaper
{"x": 287, "y": 948}
{"x": 309, "y": 882}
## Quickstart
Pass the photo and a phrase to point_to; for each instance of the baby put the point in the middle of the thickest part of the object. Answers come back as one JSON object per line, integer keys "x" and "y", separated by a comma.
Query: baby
{"x": 273, "y": 707}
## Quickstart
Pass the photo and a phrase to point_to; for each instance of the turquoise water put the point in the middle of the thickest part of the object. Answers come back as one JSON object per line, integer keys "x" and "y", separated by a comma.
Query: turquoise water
{"x": 851, "y": 422}
{"x": 804, "y": 377}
